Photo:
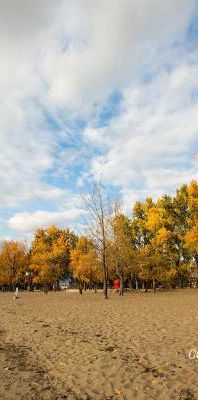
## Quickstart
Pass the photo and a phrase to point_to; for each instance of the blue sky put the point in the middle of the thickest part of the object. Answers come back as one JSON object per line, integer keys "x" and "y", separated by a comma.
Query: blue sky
{"x": 94, "y": 90}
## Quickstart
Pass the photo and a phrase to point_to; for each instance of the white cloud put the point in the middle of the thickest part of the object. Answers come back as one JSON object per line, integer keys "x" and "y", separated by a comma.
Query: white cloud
{"x": 105, "y": 43}
{"x": 152, "y": 144}
{"x": 93, "y": 135}
{"x": 28, "y": 222}
{"x": 62, "y": 59}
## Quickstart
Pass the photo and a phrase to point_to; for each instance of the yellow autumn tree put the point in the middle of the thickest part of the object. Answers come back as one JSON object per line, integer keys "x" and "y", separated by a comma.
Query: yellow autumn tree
{"x": 166, "y": 222}
{"x": 122, "y": 248}
{"x": 151, "y": 267}
{"x": 191, "y": 237}
{"x": 85, "y": 264}
{"x": 50, "y": 254}
{"x": 14, "y": 263}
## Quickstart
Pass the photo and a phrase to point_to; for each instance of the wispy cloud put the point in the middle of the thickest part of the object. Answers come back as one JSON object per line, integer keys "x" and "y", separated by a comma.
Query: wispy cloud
{"x": 152, "y": 143}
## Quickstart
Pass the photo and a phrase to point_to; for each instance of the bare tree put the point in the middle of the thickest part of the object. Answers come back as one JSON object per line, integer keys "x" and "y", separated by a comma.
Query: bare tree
{"x": 98, "y": 210}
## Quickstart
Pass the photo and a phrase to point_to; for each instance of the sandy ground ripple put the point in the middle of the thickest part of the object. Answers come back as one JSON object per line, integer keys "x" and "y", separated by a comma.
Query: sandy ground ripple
{"x": 67, "y": 346}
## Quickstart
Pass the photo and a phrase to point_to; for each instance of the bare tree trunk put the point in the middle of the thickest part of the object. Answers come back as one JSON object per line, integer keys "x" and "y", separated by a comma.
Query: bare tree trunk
{"x": 105, "y": 278}
{"x": 98, "y": 220}
{"x": 136, "y": 284}
{"x": 196, "y": 261}
{"x": 181, "y": 282}
{"x": 121, "y": 290}
{"x": 80, "y": 288}
{"x": 105, "y": 289}
{"x": 130, "y": 285}
{"x": 45, "y": 288}
{"x": 147, "y": 286}
{"x": 105, "y": 268}
{"x": 154, "y": 285}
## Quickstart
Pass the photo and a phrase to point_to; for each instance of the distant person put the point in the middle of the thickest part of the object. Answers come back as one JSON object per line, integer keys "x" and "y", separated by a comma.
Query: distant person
{"x": 16, "y": 294}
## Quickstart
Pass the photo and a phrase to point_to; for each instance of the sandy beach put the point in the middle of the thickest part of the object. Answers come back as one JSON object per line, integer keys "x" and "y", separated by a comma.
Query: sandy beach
{"x": 66, "y": 346}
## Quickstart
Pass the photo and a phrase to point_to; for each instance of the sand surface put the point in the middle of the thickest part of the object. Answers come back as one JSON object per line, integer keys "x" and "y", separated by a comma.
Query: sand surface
{"x": 66, "y": 346}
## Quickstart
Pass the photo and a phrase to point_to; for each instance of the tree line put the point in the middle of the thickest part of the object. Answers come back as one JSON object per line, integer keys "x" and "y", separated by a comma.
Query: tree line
{"x": 156, "y": 245}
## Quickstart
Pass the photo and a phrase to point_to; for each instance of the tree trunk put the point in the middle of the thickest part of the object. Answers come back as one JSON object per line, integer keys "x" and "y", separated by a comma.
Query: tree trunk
{"x": 136, "y": 284}
{"x": 196, "y": 261}
{"x": 146, "y": 287}
{"x": 154, "y": 286}
{"x": 105, "y": 288}
{"x": 181, "y": 282}
{"x": 121, "y": 290}
{"x": 95, "y": 288}
{"x": 80, "y": 288}
{"x": 130, "y": 285}
{"x": 45, "y": 288}
{"x": 105, "y": 292}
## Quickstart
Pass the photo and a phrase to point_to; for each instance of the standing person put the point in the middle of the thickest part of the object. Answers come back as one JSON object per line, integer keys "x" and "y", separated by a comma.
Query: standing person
{"x": 16, "y": 294}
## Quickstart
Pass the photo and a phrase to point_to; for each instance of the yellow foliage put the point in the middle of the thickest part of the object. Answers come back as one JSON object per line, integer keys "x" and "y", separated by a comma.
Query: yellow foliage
{"x": 155, "y": 218}
{"x": 193, "y": 199}
{"x": 191, "y": 238}
{"x": 50, "y": 254}
{"x": 13, "y": 262}
{"x": 84, "y": 262}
